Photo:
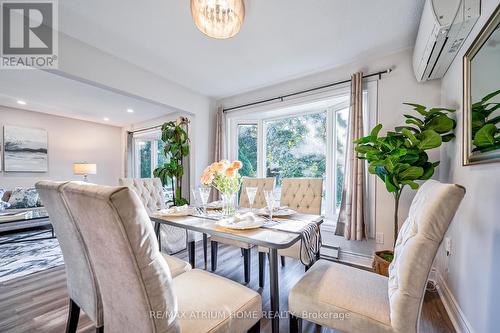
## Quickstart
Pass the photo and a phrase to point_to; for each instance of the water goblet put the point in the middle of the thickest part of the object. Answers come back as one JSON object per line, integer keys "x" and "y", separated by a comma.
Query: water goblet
{"x": 251, "y": 192}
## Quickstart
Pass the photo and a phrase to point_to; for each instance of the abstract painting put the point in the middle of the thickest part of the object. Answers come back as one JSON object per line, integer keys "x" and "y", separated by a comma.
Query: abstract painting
{"x": 25, "y": 149}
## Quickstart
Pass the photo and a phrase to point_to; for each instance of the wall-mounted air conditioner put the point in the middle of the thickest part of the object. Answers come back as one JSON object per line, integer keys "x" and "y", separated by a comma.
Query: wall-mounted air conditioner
{"x": 444, "y": 26}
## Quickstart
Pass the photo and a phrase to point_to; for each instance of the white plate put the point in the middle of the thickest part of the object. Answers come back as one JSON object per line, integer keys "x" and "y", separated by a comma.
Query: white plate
{"x": 277, "y": 213}
{"x": 229, "y": 224}
{"x": 184, "y": 212}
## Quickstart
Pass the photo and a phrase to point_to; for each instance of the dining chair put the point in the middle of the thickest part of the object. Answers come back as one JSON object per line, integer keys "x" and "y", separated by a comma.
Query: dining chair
{"x": 138, "y": 291}
{"x": 357, "y": 300}
{"x": 82, "y": 286}
{"x": 262, "y": 185}
{"x": 171, "y": 239}
{"x": 83, "y": 290}
{"x": 304, "y": 195}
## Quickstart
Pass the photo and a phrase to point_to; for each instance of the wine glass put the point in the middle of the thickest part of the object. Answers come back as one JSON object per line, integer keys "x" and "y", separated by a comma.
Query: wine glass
{"x": 251, "y": 192}
{"x": 204, "y": 194}
{"x": 269, "y": 195}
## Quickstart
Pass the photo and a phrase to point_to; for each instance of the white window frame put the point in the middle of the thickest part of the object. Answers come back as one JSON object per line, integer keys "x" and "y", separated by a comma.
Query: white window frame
{"x": 308, "y": 105}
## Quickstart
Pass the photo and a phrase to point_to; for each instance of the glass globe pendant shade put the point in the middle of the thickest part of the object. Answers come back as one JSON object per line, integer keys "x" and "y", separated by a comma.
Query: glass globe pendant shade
{"x": 218, "y": 18}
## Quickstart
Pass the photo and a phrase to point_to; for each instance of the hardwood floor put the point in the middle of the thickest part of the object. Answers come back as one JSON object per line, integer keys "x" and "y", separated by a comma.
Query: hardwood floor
{"x": 39, "y": 303}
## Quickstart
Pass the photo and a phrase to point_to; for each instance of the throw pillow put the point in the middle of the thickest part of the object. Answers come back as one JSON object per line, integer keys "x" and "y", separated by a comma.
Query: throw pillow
{"x": 3, "y": 205}
{"x": 23, "y": 198}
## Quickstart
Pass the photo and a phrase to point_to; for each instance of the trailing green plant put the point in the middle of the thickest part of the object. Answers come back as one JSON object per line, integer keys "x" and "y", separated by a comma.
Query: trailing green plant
{"x": 176, "y": 148}
{"x": 485, "y": 133}
{"x": 400, "y": 158}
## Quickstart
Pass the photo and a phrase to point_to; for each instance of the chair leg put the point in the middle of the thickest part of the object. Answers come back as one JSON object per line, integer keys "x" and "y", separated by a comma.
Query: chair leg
{"x": 73, "y": 316}
{"x": 282, "y": 261}
{"x": 247, "y": 260}
{"x": 242, "y": 251}
{"x": 295, "y": 324}
{"x": 262, "y": 268}
{"x": 192, "y": 253}
{"x": 214, "y": 246}
{"x": 205, "y": 250}
{"x": 255, "y": 328}
{"x": 99, "y": 329}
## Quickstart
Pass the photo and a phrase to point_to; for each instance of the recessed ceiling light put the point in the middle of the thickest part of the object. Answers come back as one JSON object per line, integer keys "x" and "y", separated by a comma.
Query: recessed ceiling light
{"x": 130, "y": 110}
{"x": 106, "y": 119}
{"x": 21, "y": 102}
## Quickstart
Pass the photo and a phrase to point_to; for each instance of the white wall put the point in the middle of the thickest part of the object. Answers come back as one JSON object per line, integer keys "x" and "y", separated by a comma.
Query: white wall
{"x": 69, "y": 141}
{"x": 398, "y": 87}
{"x": 472, "y": 272}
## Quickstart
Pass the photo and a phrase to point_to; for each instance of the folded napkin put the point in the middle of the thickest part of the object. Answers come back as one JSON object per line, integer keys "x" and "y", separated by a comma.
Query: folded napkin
{"x": 246, "y": 219}
{"x": 175, "y": 209}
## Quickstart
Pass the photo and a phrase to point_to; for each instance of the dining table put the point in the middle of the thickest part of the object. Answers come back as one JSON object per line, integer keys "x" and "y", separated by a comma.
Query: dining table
{"x": 278, "y": 233}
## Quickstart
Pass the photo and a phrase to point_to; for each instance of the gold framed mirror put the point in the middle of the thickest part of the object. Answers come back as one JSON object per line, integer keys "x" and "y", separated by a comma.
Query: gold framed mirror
{"x": 481, "y": 136}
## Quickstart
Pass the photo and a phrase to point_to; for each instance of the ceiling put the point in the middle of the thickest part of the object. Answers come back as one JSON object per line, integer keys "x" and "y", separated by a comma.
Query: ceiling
{"x": 53, "y": 94}
{"x": 280, "y": 39}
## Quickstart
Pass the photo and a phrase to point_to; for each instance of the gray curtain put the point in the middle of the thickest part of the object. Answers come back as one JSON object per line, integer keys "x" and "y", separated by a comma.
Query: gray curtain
{"x": 351, "y": 220}
{"x": 220, "y": 141}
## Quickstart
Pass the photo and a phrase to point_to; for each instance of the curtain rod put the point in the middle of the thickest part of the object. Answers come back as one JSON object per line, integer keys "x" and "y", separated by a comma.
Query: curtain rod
{"x": 146, "y": 129}
{"x": 281, "y": 98}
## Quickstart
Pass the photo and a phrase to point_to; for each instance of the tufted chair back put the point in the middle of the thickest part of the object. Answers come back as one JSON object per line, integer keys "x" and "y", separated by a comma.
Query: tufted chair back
{"x": 80, "y": 276}
{"x": 149, "y": 190}
{"x": 302, "y": 194}
{"x": 262, "y": 184}
{"x": 430, "y": 214}
{"x": 133, "y": 276}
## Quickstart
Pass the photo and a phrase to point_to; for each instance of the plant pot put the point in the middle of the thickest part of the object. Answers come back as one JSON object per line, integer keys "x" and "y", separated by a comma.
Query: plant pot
{"x": 381, "y": 265}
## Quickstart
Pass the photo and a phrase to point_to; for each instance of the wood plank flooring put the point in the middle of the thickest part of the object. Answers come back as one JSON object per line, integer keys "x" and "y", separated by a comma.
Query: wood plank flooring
{"x": 39, "y": 303}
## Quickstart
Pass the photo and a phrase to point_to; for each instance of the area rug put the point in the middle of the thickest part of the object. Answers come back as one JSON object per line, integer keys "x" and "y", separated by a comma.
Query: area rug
{"x": 26, "y": 257}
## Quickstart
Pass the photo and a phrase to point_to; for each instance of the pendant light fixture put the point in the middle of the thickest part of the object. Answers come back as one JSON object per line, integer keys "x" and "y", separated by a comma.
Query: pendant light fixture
{"x": 218, "y": 18}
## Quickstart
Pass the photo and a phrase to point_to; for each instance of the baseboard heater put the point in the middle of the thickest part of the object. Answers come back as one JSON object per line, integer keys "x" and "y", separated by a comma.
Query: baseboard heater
{"x": 329, "y": 252}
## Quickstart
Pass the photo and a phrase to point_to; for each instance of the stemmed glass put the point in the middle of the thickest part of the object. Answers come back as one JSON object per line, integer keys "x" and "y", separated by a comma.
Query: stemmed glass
{"x": 204, "y": 194}
{"x": 251, "y": 192}
{"x": 269, "y": 195}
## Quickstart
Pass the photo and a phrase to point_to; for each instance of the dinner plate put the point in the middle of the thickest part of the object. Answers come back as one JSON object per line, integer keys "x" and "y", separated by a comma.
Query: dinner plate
{"x": 230, "y": 224}
{"x": 169, "y": 212}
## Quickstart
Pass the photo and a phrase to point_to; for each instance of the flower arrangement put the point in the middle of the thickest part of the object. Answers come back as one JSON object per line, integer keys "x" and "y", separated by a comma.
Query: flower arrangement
{"x": 223, "y": 175}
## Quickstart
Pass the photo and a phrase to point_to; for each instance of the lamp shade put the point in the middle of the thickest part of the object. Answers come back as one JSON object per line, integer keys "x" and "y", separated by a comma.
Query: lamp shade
{"x": 84, "y": 169}
{"x": 218, "y": 18}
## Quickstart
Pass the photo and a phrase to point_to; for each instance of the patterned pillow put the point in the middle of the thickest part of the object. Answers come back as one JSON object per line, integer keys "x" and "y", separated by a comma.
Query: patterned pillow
{"x": 3, "y": 204}
{"x": 23, "y": 198}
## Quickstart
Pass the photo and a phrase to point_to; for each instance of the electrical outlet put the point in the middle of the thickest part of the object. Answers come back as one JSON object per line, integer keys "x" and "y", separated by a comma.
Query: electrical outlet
{"x": 447, "y": 246}
{"x": 379, "y": 238}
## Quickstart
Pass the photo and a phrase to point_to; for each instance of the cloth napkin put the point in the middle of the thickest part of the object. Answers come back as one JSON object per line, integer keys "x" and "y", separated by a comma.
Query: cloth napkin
{"x": 175, "y": 209}
{"x": 246, "y": 219}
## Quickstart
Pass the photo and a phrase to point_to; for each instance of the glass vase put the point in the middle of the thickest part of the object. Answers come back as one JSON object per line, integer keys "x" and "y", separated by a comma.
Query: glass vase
{"x": 228, "y": 203}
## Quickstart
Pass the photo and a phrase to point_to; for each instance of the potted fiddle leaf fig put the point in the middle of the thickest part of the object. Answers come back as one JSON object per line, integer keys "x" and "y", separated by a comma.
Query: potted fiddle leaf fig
{"x": 400, "y": 157}
{"x": 485, "y": 124}
{"x": 176, "y": 148}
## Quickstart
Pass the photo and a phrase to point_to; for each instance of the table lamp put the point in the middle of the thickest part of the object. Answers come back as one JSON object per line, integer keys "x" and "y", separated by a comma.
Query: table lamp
{"x": 84, "y": 169}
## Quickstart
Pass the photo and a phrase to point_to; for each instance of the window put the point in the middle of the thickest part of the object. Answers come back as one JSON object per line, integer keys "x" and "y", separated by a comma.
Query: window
{"x": 247, "y": 149}
{"x": 302, "y": 137}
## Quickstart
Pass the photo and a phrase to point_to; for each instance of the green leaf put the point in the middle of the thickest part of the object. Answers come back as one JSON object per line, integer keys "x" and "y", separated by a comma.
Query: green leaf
{"x": 440, "y": 124}
{"x": 412, "y": 184}
{"x": 375, "y": 131}
{"x": 363, "y": 149}
{"x": 428, "y": 171}
{"x": 429, "y": 139}
{"x": 410, "y": 136}
{"x": 448, "y": 137}
{"x": 490, "y": 96}
{"x": 419, "y": 108}
{"x": 485, "y": 136}
{"x": 389, "y": 185}
{"x": 411, "y": 173}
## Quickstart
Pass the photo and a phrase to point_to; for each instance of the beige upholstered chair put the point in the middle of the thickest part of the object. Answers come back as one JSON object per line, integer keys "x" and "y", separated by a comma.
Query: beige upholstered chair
{"x": 303, "y": 195}
{"x": 82, "y": 284}
{"x": 373, "y": 303}
{"x": 262, "y": 184}
{"x": 137, "y": 288}
{"x": 172, "y": 239}
{"x": 83, "y": 290}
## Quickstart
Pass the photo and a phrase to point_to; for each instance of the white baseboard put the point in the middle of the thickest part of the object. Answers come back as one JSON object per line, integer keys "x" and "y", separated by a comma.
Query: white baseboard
{"x": 454, "y": 311}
